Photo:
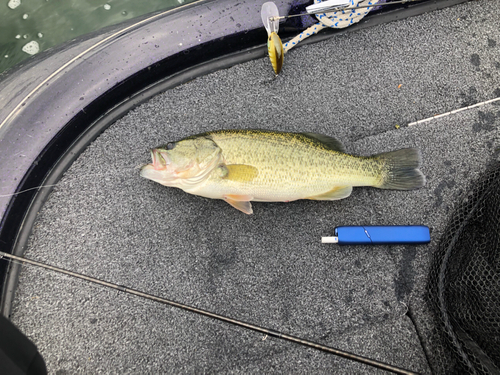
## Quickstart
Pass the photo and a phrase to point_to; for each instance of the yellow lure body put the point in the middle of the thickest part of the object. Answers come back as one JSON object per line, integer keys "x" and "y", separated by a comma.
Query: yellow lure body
{"x": 275, "y": 50}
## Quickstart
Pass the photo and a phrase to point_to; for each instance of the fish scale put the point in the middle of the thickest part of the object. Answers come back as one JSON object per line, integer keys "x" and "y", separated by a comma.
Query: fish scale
{"x": 283, "y": 156}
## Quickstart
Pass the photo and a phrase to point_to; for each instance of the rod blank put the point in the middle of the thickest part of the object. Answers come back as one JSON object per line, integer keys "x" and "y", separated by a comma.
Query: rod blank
{"x": 266, "y": 331}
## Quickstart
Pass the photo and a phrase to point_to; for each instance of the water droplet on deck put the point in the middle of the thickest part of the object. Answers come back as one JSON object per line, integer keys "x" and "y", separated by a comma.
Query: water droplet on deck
{"x": 107, "y": 6}
{"x": 6, "y": 56}
{"x": 25, "y": 36}
{"x": 40, "y": 35}
{"x": 25, "y": 16}
{"x": 31, "y": 48}
{"x": 18, "y": 36}
{"x": 13, "y": 4}
{"x": 124, "y": 13}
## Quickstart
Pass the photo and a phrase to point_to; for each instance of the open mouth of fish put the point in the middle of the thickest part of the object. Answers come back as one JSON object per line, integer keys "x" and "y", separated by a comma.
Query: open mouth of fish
{"x": 159, "y": 170}
{"x": 160, "y": 160}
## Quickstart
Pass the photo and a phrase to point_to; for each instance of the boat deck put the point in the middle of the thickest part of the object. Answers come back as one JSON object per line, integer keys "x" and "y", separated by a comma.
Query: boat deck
{"x": 270, "y": 269}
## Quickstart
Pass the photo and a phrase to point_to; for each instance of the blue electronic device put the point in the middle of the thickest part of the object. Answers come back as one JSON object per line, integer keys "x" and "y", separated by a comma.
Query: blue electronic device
{"x": 380, "y": 235}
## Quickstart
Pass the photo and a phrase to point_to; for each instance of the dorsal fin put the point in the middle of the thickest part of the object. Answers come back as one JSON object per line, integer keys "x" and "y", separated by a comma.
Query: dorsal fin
{"x": 330, "y": 142}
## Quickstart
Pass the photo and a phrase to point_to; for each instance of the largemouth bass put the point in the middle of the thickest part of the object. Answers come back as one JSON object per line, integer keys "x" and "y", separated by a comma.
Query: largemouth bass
{"x": 240, "y": 166}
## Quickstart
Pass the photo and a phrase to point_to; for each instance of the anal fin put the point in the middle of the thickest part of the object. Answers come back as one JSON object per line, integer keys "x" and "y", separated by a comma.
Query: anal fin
{"x": 338, "y": 192}
{"x": 240, "y": 202}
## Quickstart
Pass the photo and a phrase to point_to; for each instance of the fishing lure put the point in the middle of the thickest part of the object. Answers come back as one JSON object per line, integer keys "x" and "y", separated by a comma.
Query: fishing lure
{"x": 270, "y": 14}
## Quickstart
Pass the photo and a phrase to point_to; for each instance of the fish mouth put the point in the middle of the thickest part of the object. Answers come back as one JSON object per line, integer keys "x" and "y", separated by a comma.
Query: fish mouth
{"x": 159, "y": 170}
{"x": 164, "y": 171}
{"x": 160, "y": 159}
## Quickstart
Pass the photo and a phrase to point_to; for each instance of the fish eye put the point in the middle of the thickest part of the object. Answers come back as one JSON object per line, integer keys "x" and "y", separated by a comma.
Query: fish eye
{"x": 170, "y": 146}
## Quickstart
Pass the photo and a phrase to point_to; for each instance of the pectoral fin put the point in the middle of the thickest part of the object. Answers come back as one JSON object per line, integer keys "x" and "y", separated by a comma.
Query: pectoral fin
{"x": 241, "y": 172}
{"x": 240, "y": 202}
{"x": 336, "y": 193}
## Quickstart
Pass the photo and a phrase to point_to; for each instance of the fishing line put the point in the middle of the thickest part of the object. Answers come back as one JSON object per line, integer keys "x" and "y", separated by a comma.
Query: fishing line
{"x": 62, "y": 183}
{"x": 25, "y": 191}
{"x": 266, "y": 331}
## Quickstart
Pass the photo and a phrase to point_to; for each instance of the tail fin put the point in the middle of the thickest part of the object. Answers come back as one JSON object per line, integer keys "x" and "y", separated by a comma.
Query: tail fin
{"x": 400, "y": 169}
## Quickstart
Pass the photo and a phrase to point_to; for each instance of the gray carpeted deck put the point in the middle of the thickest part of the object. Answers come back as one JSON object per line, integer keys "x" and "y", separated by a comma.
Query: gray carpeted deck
{"x": 270, "y": 268}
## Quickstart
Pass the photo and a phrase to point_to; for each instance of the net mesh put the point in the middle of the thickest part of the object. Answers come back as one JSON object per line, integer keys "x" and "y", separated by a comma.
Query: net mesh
{"x": 464, "y": 283}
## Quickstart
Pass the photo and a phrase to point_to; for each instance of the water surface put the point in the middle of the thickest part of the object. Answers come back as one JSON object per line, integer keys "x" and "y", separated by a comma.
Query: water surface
{"x": 31, "y": 26}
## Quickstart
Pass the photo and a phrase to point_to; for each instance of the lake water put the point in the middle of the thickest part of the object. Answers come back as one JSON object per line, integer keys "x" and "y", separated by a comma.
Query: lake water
{"x": 31, "y": 26}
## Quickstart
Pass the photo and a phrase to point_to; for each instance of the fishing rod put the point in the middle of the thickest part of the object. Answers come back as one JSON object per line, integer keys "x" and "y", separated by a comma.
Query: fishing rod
{"x": 253, "y": 327}
{"x": 337, "y": 6}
